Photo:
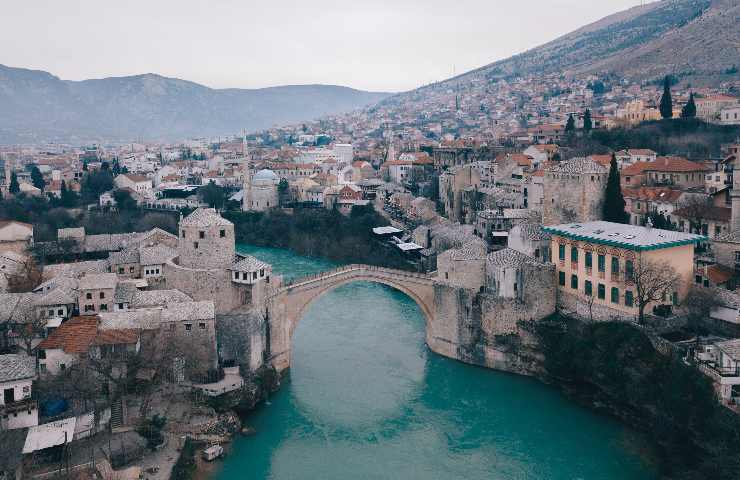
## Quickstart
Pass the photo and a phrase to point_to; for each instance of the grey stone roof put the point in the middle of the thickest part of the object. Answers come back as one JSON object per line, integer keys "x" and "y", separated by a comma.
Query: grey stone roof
{"x": 204, "y": 217}
{"x": 16, "y": 307}
{"x": 144, "y": 318}
{"x": 75, "y": 232}
{"x": 156, "y": 255}
{"x": 632, "y": 237}
{"x": 75, "y": 269}
{"x": 578, "y": 165}
{"x": 56, "y": 296}
{"x": 68, "y": 283}
{"x": 469, "y": 251}
{"x": 249, "y": 264}
{"x": 125, "y": 292}
{"x": 730, "y": 347}
{"x": 109, "y": 242}
{"x": 152, "y": 298}
{"x": 128, "y": 255}
{"x": 189, "y": 311}
{"x": 95, "y": 281}
{"x": 534, "y": 231}
{"x": 731, "y": 237}
{"x": 727, "y": 298}
{"x": 509, "y": 258}
{"x": 16, "y": 367}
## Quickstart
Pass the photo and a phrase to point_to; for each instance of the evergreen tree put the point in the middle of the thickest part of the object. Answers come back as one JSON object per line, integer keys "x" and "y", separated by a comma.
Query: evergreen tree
{"x": 689, "y": 110}
{"x": 666, "y": 102}
{"x": 614, "y": 201}
{"x": 571, "y": 125}
{"x": 587, "y": 123}
{"x": 37, "y": 178}
{"x": 14, "y": 186}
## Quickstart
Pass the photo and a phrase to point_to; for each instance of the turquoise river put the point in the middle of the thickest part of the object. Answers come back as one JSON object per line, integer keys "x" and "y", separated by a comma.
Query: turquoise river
{"x": 366, "y": 399}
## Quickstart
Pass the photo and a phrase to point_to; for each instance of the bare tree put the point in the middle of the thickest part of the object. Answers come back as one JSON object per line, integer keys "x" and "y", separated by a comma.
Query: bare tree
{"x": 695, "y": 209}
{"x": 25, "y": 278}
{"x": 699, "y": 303}
{"x": 654, "y": 281}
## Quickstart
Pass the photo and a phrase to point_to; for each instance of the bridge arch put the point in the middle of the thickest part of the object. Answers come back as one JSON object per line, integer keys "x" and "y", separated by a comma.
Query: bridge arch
{"x": 288, "y": 305}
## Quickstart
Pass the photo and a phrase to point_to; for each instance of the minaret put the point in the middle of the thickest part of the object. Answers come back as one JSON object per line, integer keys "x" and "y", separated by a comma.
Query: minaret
{"x": 391, "y": 152}
{"x": 735, "y": 196}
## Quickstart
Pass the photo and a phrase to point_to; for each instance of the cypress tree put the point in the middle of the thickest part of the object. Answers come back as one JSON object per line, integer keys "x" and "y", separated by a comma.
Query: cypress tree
{"x": 37, "y": 178}
{"x": 614, "y": 201}
{"x": 587, "y": 123}
{"x": 571, "y": 125}
{"x": 666, "y": 102}
{"x": 14, "y": 186}
{"x": 689, "y": 110}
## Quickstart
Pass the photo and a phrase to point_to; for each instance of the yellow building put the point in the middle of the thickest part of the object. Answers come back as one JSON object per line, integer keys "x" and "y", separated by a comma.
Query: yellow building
{"x": 596, "y": 261}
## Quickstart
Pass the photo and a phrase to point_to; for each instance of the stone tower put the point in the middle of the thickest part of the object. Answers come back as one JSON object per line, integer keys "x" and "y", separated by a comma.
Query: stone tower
{"x": 206, "y": 241}
{"x": 261, "y": 191}
{"x": 573, "y": 191}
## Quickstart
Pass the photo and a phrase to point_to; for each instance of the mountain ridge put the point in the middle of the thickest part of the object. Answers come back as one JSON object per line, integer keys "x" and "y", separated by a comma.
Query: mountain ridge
{"x": 39, "y": 106}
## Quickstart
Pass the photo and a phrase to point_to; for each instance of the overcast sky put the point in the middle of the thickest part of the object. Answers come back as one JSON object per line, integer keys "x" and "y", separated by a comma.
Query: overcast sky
{"x": 387, "y": 45}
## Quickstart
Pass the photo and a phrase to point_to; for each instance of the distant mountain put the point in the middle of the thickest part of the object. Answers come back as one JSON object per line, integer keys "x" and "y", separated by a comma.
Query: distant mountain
{"x": 36, "y": 106}
{"x": 688, "y": 38}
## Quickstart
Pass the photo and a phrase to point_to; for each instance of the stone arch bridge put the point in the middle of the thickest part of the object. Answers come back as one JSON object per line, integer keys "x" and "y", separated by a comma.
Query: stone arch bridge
{"x": 286, "y": 305}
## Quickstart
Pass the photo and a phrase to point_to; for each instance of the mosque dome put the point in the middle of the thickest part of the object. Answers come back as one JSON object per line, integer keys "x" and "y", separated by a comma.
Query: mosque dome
{"x": 264, "y": 175}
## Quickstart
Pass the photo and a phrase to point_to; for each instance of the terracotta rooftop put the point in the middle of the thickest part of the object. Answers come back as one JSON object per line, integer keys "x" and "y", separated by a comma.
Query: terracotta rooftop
{"x": 73, "y": 336}
{"x": 674, "y": 164}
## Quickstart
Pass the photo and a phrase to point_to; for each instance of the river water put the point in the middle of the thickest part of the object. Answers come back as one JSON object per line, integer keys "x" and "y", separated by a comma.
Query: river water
{"x": 365, "y": 399}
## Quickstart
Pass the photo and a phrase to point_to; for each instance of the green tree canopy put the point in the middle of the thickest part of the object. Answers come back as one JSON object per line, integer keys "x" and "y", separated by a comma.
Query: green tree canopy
{"x": 614, "y": 201}
{"x": 213, "y": 195}
{"x": 14, "y": 186}
{"x": 570, "y": 126}
{"x": 588, "y": 124}
{"x": 666, "y": 102}
{"x": 37, "y": 178}
{"x": 689, "y": 110}
{"x": 124, "y": 200}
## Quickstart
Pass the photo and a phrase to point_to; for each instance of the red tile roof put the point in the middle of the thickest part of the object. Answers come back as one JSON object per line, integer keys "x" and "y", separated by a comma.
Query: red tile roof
{"x": 719, "y": 274}
{"x": 674, "y": 164}
{"x": 73, "y": 336}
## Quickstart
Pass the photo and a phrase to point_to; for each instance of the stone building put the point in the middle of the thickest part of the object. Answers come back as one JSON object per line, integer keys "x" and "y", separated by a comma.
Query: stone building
{"x": 574, "y": 191}
{"x": 261, "y": 191}
{"x": 206, "y": 240}
{"x": 596, "y": 264}
{"x": 456, "y": 186}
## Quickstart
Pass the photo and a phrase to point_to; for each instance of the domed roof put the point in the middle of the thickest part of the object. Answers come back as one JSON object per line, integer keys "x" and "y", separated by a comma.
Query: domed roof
{"x": 265, "y": 175}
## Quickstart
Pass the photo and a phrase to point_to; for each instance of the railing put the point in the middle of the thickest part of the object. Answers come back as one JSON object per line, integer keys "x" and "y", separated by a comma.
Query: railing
{"x": 352, "y": 267}
{"x": 719, "y": 371}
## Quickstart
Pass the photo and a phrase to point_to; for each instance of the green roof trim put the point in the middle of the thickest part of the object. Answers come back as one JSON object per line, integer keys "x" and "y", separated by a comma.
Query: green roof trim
{"x": 627, "y": 246}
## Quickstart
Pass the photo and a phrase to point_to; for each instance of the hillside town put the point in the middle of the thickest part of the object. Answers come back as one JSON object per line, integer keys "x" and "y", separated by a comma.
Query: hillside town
{"x": 480, "y": 189}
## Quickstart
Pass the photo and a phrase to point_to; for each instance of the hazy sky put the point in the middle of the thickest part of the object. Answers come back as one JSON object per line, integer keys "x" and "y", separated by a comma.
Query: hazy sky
{"x": 369, "y": 44}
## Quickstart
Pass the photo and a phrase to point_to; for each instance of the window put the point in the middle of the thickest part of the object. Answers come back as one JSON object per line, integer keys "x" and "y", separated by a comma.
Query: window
{"x": 42, "y": 354}
{"x": 51, "y": 313}
{"x": 120, "y": 306}
{"x": 183, "y": 234}
{"x": 674, "y": 297}
{"x": 202, "y": 325}
{"x": 131, "y": 269}
{"x": 561, "y": 252}
{"x": 615, "y": 265}
{"x": 254, "y": 275}
{"x": 262, "y": 272}
{"x": 629, "y": 269}
{"x": 601, "y": 263}
{"x": 588, "y": 288}
{"x": 188, "y": 327}
{"x": 89, "y": 308}
{"x": 244, "y": 276}
{"x": 222, "y": 233}
{"x": 42, "y": 366}
{"x": 628, "y": 299}
{"x": 602, "y": 291}
{"x": 60, "y": 312}
{"x": 202, "y": 234}
{"x": 195, "y": 245}
{"x": 88, "y": 295}
{"x": 121, "y": 270}
{"x": 574, "y": 282}
{"x": 574, "y": 254}
{"x": 561, "y": 278}
{"x": 615, "y": 295}
{"x": 102, "y": 294}
{"x": 103, "y": 307}
{"x": 589, "y": 260}
{"x": 62, "y": 367}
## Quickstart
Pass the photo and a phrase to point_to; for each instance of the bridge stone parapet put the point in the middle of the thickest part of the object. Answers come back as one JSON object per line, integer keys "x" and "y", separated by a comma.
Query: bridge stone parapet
{"x": 286, "y": 305}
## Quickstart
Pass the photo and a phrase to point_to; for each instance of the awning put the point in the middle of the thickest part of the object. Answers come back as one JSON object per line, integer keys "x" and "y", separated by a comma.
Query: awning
{"x": 407, "y": 247}
{"x": 50, "y": 435}
{"x": 386, "y": 230}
